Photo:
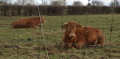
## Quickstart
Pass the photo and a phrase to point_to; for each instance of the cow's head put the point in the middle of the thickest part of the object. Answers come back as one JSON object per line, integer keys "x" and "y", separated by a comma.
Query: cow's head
{"x": 71, "y": 28}
{"x": 42, "y": 19}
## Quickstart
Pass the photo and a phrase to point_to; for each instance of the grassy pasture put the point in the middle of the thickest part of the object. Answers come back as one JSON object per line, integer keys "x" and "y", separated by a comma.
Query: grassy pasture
{"x": 29, "y": 43}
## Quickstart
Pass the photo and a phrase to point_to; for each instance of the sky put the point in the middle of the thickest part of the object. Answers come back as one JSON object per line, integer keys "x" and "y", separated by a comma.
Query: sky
{"x": 70, "y": 2}
{"x": 85, "y": 2}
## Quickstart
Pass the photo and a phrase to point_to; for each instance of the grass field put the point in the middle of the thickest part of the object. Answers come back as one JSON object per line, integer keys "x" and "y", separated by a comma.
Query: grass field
{"x": 29, "y": 43}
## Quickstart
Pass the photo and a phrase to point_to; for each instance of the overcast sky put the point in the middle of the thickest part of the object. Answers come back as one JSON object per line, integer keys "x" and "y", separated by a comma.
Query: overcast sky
{"x": 70, "y": 2}
{"x": 85, "y": 2}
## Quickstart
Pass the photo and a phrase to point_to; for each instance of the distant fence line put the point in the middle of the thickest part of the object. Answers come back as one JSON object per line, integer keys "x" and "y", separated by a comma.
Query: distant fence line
{"x": 17, "y": 10}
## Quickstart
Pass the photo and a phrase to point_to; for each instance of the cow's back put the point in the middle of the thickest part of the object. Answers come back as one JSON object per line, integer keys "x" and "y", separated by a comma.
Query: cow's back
{"x": 19, "y": 23}
{"x": 90, "y": 35}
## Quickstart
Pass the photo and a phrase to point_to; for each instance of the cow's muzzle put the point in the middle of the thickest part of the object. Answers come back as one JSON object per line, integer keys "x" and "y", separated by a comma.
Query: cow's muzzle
{"x": 71, "y": 35}
{"x": 44, "y": 22}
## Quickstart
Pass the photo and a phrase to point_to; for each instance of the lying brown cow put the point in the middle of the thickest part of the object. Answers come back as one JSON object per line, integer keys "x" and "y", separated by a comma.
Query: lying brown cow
{"x": 28, "y": 22}
{"x": 76, "y": 36}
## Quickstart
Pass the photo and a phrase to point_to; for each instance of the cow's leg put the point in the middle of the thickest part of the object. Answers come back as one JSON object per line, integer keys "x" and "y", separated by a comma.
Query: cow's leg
{"x": 35, "y": 26}
{"x": 102, "y": 41}
{"x": 67, "y": 45}
{"x": 79, "y": 45}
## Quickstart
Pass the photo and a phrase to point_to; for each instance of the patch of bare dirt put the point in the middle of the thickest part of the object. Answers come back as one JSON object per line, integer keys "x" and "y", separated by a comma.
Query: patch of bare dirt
{"x": 102, "y": 58}
{"x": 0, "y": 53}
{"x": 38, "y": 56}
{"x": 42, "y": 48}
{"x": 28, "y": 44}
{"x": 72, "y": 56}
{"x": 58, "y": 45}
{"x": 52, "y": 52}
{"x": 1, "y": 46}
{"x": 52, "y": 48}
{"x": 29, "y": 39}
{"x": 12, "y": 46}
{"x": 113, "y": 56}
{"x": 112, "y": 51}
{"x": 35, "y": 55}
{"x": 25, "y": 53}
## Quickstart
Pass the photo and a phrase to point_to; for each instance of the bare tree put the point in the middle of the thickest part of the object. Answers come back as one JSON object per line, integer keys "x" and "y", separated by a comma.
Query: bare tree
{"x": 44, "y": 3}
{"x": 16, "y": 3}
{"x": 21, "y": 2}
{"x": 24, "y": 2}
{"x": 77, "y": 3}
{"x": 115, "y": 3}
{"x": 56, "y": 3}
{"x": 3, "y": 1}
{"x": 97, "y": 3}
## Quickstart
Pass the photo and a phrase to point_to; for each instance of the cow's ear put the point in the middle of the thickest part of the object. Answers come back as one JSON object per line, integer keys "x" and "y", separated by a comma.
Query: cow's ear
{"x": 64, "y": 26}
{"x": 78, "y": 26}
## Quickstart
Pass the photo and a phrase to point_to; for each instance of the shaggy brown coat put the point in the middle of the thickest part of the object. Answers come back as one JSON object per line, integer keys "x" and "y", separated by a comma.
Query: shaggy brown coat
{"x": 28, "y": 22}
{"x": 76, "y": 36}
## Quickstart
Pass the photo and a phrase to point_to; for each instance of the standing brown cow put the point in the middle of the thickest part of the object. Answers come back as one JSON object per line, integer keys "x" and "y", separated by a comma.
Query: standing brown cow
{"x": 75, "y": 35}
{"x": 28, "y": 22}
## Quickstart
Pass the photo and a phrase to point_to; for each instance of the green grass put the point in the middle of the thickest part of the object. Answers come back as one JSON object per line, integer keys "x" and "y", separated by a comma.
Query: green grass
{"x": 29, "y": 44}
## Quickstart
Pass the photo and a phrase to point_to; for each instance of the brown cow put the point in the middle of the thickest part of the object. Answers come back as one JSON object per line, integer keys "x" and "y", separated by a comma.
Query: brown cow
{"x": 28, "y": 22}
{"x": 76, "y": 36}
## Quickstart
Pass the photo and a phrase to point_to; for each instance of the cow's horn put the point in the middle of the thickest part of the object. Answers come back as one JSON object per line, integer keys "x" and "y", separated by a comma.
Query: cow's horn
{"x": 77, "y": 22}
{"x": 65, "y": 23}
